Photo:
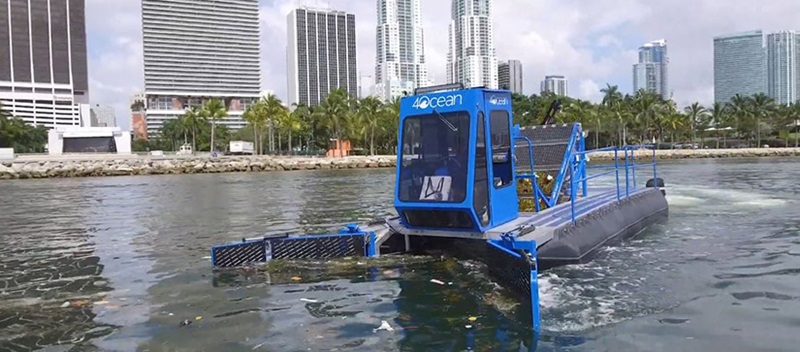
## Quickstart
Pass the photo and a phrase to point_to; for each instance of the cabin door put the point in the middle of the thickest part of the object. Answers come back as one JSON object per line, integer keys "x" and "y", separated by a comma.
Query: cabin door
{"x": 503, "y": 192}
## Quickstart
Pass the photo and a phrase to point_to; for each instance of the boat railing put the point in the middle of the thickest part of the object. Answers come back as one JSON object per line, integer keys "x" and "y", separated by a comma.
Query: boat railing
{"x": 579, "y": 168}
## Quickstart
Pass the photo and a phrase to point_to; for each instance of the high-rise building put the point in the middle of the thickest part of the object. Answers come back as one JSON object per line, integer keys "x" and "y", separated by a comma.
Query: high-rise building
{"x": 739, "y": 65}
{"x": 554, "y": 84}
{"x": 400, "y": 53}
{"x": 43, "y": 69}
{"x": 783, "y": 67}
{"x": 651, "y": 73}
{"x": 471, "y": 58}
{"x": 321, "y": 54}
{"x": 509, "y": 76}
{"x": 198, "y": 50}
{"x": 103, "y": 116}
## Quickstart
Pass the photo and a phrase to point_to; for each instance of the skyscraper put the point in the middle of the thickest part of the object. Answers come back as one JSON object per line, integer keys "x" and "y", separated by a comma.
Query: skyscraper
{"x": 471, "y": 57}
{"x": 783, "y": 67}
{"x": 321, "y": 54}
{"x": 554, "y": 84}
{"x": 43, "y": 70}
{"x": 651, "y": 73}
{"x": 739, "y": 65}
{"x": 509, "y": 76}
{"x": 197, "y": 50}
{"x": 400, "y": 53}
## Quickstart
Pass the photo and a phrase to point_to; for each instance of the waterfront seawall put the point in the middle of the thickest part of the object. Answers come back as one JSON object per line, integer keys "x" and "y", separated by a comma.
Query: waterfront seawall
{"x": 42, "y": 166}
{"x": 69, "y": 166}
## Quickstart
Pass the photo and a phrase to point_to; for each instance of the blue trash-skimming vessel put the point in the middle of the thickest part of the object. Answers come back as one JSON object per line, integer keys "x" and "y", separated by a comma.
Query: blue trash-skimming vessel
{"x": 458, "y": 164}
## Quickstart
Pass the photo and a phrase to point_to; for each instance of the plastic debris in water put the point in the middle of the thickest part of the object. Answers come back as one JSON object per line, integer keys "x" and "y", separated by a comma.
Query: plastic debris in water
{"x": 296, "y": 278}
{"x": 199, "y": 317}
{"x": 186, "y": 322}
{"x": 437, "y": 281}
{"x": 309, "y": 300}
{"x": 384, "y": 326}
{"x": 472, "y": 318}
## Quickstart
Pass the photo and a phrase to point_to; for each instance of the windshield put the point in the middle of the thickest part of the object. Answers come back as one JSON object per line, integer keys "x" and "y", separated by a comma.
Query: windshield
{"x": 435, "y": 153}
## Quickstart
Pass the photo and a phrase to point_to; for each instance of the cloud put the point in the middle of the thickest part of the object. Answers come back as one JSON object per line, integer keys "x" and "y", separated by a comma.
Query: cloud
{"x": 590, "y": 42}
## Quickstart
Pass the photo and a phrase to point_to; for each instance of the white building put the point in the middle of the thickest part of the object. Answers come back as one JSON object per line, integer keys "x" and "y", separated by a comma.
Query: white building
{"x": 471, "y": 58}
{"x": 783, "y": 67}
{"x": 43, "y": 69}
{"x": 555, "y": 84}
{"x": 652, "y": 71}
{"x": 400, "y": 53}
{"x": 321, "y": 54}
{"x": 71, "y": 140}
{"x": 195, "y": 50}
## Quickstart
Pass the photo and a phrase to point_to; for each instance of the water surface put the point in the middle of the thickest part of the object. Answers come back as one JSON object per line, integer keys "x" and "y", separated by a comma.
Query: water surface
{"x": 118, "y": 264}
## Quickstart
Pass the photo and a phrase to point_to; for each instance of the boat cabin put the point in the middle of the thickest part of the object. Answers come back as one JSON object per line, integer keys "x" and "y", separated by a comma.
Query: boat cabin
{"x": 455, "y": 167}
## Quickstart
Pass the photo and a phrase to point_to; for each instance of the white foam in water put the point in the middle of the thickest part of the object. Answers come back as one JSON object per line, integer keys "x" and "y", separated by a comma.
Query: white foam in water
{"x": 736, "y": 197}
{"x": 683, "y": 200}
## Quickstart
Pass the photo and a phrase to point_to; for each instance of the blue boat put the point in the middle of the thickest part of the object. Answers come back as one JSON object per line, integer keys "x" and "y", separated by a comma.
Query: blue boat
{"x": 459, "y": 161}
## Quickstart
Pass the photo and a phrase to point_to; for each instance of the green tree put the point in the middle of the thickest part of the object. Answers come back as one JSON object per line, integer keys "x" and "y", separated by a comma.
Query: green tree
{"x": 214, "y": 110}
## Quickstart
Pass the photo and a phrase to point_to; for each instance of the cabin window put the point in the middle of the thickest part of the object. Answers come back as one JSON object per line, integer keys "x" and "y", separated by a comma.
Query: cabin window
{"x": 480, "y": 197}
{"x": 500, "y": 131}
{"x": 434, "y": 158}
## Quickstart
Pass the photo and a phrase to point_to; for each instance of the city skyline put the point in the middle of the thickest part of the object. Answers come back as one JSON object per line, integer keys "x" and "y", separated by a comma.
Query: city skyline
{"x": 591, "y": 53}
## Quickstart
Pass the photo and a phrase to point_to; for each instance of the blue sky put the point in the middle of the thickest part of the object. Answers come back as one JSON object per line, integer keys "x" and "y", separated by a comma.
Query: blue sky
{"x": 591, "y": 42}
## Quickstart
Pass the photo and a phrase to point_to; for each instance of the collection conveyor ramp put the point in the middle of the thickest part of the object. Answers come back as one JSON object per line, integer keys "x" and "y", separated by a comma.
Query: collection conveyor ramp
{"x": 548, "y": 149}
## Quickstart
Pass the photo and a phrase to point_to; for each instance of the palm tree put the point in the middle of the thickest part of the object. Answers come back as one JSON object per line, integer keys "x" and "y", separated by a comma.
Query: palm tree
{"x": 255, "y": 117}
{"x": 295, "y": 123}
{"x": 193, "y": 119}
{"x": 273, "y": 108}
{"x": 332, "y": 112}
{"x": 762, "y": 108}
{"x": 697, "y": 116}
{"x": 213, "y": 110}
{"x": 370, "y": 111}
{"x": 739, "y": 107}
{"x": 612, "y": 99}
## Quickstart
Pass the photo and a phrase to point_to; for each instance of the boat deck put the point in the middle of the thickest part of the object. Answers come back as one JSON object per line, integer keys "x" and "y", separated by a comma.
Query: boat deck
{"x": 530, "y": 226}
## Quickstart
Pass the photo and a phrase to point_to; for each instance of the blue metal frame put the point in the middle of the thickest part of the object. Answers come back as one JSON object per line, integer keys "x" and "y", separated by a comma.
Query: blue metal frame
{"x": 511, "y": 246}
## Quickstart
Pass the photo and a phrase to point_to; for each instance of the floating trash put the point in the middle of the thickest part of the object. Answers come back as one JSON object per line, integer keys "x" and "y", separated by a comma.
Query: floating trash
{"x": 384, "y": 326}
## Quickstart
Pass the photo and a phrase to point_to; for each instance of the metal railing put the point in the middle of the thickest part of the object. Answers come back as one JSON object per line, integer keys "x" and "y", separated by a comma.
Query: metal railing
{"x": 579, "y": 167}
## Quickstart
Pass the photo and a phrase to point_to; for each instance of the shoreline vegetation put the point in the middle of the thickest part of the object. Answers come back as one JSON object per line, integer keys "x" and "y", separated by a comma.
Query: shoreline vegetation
{"x": 43, "y": 166}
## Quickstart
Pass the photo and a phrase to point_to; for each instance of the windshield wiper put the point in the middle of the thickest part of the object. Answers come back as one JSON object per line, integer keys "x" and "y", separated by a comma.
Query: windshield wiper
{"x": 450, "y": 125}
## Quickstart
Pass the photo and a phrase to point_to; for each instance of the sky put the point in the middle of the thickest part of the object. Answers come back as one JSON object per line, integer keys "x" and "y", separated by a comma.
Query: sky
{"x": 591, "y": 42}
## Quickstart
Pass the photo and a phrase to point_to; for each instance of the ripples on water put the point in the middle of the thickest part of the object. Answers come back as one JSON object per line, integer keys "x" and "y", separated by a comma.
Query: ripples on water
{"x": 119, "y": 263}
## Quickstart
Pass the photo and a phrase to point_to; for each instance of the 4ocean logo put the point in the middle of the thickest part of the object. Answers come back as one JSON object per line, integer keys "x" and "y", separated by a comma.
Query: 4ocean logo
{"x": 495, "y": 100}
{"x": 442, "y": 101}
